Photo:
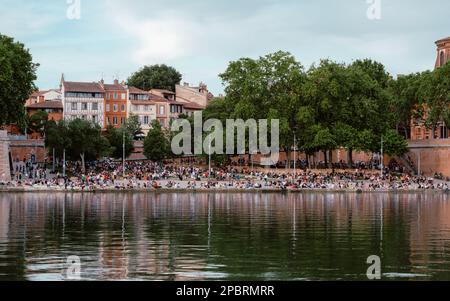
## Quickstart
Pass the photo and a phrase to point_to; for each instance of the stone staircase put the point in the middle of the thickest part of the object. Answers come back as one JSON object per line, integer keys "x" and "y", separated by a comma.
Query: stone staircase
{"x": 407, "y": 165}
{"x": 5, "y": 171}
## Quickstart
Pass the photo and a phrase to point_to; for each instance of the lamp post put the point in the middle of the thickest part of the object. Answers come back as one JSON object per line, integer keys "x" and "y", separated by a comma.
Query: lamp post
{"x": 295, "y": 154}
{"x": 209, "y": 156}
{"x": 64, "y": 162}
{"x": 123, "y": 154}
{"x": 382, "y": 157}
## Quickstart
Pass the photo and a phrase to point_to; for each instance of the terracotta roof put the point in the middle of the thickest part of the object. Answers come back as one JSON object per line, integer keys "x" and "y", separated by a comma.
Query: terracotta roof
{"x": 189, "y": 104}
{"x": 193, "y": 106}
{"x": 46, "y": 105}
{"x": 134, "y": 90}
{"x": 174, "y": 102}
{"x": 83, "y": 87}
{"x": 113, "y": 87}
{"x": 157, "y": 98}
{"x": 164, "y": 91}
{"x": 443, "y": 40}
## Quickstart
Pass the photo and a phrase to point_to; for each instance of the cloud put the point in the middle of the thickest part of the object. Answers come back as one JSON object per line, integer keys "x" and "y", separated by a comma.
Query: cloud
{"x": 156, "y": 38}
{"x": 29, "y": 20}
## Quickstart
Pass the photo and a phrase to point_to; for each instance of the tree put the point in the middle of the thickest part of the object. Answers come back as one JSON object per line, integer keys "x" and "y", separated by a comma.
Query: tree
{"x": 115, "y": 139}
{"x": 38, "y": 122}
{"x": 266, "y": 88}
{"x": 17, "y": 73}
{"x": 435, "y": 92}
{"x": 406, "y": 99}
{"x": 87, "y": 140}
{"x": 58, "y": 137}
{"x": 394, "y": 144}
{"x": 155, "y": 77}
{"x": 133, "y": 125}
{"x": 156, "y": 145}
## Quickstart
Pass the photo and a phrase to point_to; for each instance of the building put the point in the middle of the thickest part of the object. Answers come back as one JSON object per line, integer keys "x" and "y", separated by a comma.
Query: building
{"x": 443, "y": 52}
{"x": 198, "y": 95}
{"x": 35, "y": 97}
{"x": 83, "y": 100}
{"x": 140, "y": 105}
{"x": 162, "y": 109}
{"x": 115, "y": 104}
{"x": 190, "y": 107}
{"x": 430, "y": 150}
{"x": 53, "y": 108}
{"x": 42, "y": 96}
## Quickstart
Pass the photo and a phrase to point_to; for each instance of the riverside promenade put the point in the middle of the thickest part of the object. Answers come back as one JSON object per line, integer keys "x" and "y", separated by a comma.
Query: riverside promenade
{"x": 256, "y": 186}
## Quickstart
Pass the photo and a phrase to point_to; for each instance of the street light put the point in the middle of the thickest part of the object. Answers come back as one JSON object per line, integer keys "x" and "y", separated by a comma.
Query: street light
{"x": 209, "y": 170}
{"x": 382, "y": 157}
{"x": 123, "y": 153}
{"x": 295, "y": 154}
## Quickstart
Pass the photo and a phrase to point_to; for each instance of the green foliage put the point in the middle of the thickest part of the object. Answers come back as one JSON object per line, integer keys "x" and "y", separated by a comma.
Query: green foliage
{"x": 17, "y": 73}
{"x": 58, "y": 137}
{"x": 156, "y": 145}
{"x": 435, "y": 89}
{"x": 394, "y": 144}
{"x": 133, "y": 125}
{"x": 116, "y": 137}
{"x": 331, "y": 105}
{"x": 38, "y": 122}
{"x": 155, "y": 77}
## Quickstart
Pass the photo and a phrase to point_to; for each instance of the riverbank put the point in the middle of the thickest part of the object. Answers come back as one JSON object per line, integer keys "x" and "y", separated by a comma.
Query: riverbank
{"x": 212, "y": 190}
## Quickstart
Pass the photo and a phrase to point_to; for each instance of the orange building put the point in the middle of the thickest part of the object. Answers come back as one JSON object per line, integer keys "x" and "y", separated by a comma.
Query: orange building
{"x": 115, "y": 104}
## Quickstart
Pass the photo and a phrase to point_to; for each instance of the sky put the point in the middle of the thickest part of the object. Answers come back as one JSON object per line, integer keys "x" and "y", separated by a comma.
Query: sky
{"x": 114, "y": 38}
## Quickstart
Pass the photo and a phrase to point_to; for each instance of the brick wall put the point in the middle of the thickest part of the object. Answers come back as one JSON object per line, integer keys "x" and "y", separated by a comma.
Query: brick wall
{"x": 434, "y": 156}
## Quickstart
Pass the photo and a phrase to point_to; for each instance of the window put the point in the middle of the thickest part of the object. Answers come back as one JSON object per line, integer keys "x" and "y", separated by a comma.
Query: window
{"x": 116, "y": 108}
{"x": 94, "y": 106}
{"x": 108, "y": 107}
{"x": 418, "y": 133}
{"x": 442, "y": 59}
{"x": 74, "y": 106}
{"x": 123, "y": 108}
{"x": 95, "y": 119}
{"x": 161, "y": 110}
{"x": 116, "y": 96}
{"x": 122, "y": 120}
{"x": 84, "y": 106}
{"x": 146, "y": 108}
{"x": 162, "y": 122}
{"x": 135, "y": 108}
{"x": 124, "y": 96}
{"x": 115, "y": 120}
{"x": 146, "y": 120}
{"x": 444, "y": 132}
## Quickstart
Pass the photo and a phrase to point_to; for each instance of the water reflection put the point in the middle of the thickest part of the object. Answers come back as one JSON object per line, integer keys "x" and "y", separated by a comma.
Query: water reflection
{"x": 224, "y": 236}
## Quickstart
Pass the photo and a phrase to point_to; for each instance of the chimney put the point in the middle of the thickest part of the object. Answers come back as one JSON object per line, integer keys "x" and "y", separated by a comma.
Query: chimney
{"x": 116, "y": 82}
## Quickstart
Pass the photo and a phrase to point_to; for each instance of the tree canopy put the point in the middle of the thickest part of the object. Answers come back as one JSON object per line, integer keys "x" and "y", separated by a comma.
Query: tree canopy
{"x": 156, "y": 144}
{"x": 155, "y": 77}
{"x": 17, "y": 75}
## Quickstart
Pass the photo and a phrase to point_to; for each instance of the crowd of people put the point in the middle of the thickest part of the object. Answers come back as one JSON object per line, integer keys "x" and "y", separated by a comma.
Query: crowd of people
{"x": 143, "y": 175}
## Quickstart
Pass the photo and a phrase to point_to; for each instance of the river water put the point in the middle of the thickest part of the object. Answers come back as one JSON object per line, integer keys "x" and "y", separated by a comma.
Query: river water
{"x": 220, "y": 236}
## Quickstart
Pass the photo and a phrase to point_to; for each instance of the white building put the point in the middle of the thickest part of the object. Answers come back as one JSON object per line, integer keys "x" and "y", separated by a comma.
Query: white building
{"x": 83, "y": 101}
